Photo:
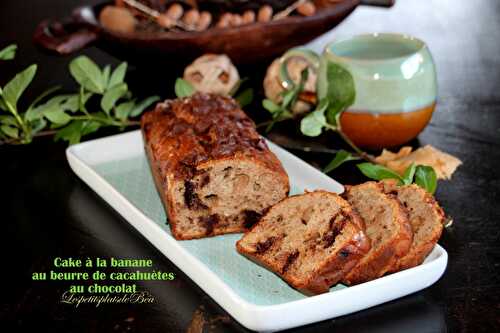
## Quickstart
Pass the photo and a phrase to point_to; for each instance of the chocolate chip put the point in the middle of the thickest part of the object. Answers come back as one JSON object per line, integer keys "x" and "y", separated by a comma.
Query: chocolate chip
{"x": 191, "y": 199}
{"x": 205, "y": 179}
{"x": 250, "y": 218}
{"x": 344, "y": 253}
{"x": 262, "y": 247}
{"x": 335, "y": 230}
{"x": 209, "y": 222}
{"x": 290, "y": 260}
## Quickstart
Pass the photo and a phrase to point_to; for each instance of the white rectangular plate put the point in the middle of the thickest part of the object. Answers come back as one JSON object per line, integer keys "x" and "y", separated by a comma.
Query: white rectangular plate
{"x": 116, "y": 168}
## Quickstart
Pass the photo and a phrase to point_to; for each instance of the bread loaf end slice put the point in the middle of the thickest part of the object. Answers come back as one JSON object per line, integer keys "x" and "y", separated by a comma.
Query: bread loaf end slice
{"x": 310, "y": 240}
{"x": 387, "y": 226}
{"x": 426, "y": 219}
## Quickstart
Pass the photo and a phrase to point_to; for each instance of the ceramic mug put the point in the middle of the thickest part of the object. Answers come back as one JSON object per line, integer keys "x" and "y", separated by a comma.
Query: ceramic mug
{"x": 395, "y": 81}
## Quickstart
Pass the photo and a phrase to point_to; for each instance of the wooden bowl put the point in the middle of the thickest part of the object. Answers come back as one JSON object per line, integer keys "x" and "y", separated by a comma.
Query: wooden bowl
{"x": 250, "y": 43}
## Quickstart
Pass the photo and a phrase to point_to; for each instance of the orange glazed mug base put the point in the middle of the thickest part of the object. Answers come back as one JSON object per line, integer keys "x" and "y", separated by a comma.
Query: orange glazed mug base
{"x": 379, "y": 130}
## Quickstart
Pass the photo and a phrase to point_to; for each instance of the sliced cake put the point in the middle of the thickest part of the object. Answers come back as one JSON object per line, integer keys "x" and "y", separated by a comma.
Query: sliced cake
{"x": 387, "y": 226}
{"x": 310, "y": 240}
{"x": 426, "y": 219}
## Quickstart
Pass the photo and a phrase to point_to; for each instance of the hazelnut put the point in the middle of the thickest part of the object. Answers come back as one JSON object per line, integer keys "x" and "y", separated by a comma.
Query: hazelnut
{"x": 224, "y": 20}
{"x": 236, "y": 20}
{"x": 307, "y": 8}
{"x": 204, "y": 21}
{"x": 248, "y": 17}
{"x": 117, "y": 19}
{"x": 265, "y": 13}
{"x": 191, "y": 18}
{"x": 165, "y": 21}
{"x": 175, "y": 11}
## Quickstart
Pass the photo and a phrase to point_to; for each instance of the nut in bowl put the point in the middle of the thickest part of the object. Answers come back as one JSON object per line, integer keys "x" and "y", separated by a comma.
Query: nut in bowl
{"x": 395, "y": 82}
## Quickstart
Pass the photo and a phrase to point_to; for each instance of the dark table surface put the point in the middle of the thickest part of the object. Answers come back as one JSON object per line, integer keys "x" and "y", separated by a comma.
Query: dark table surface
{"x": 47, "y": 212}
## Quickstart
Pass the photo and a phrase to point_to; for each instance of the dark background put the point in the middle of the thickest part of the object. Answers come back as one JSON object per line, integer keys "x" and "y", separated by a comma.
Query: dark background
{"x": 46, "y": 211}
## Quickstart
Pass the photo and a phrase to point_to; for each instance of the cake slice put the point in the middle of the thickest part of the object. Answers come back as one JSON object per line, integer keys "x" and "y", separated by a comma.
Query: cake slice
{"x": 310, "y": 240}
{"x": 426, "y": 219}
{"x": 387, "y": 226}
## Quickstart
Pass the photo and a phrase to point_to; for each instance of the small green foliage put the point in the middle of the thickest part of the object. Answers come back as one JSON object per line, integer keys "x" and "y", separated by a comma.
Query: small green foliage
{"x": 340, "y": 158}
{"x": 8, "y": 53}
{"x": 422, "y": 175}
{"x": 183, "y": 88}
{"x": 67, "y": 114}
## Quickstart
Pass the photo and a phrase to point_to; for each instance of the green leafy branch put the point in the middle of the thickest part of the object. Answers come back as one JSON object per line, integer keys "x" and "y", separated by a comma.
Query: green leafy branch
{"x": 66, "y": 116}
{"x": 422, "y": 175}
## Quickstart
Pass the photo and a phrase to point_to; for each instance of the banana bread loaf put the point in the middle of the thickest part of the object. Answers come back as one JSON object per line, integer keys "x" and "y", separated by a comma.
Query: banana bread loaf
{"x": 213, "y": 171}
{"x": 310, "y": 240}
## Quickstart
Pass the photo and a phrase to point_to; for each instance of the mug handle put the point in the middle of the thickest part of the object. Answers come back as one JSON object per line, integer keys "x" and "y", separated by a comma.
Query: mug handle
{"x": 309, "y": 56}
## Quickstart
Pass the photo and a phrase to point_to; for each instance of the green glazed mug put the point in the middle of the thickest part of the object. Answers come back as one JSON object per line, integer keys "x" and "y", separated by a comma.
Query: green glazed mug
{"x": 395, "y": 81}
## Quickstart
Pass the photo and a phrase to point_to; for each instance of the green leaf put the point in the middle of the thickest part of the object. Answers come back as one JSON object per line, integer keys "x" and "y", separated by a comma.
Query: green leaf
{"x": 118, "y": 75}
{"x": 237, "y": 86}
{"x": 341, "y": 91}
{"x": 12, "y": 132}
{"x": 409, "y": 174}
{"x": 313, "y": 123}
{"x": 9, "y": 52}
{"x": 426, "y": 177}
{"x": 37, "y": 126}
{"x": 52, "y": 105}
{"x": 377, "y": 172}
{"x": 341, "y": 157}
{"x": 245, "y": 97}
{"x": 139, "y": 108}
{"x": 123, "y": 110}
{"x": 41, "y": 97}
{"x": 289, "y": 97}
{"x": 8, "y": 120}
{"x": 87, "y": 74}
{"x": 57, "y": 116}
{"x": 90, "y": 126}
{"x": 2, "y": 104}
{"x": 183, "y": 88}
{"x": 106, "y": 72}
{"x": 71, "y": 133}
{"x": 271, "y": 106}
{"x": 111, "y": 96}
{"x": 15, "y": 88}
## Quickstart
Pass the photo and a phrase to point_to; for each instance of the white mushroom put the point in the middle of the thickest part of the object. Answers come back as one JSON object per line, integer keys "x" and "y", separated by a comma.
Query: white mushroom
{"x": 273, "y": 87}
{"x": 212, "y": 73}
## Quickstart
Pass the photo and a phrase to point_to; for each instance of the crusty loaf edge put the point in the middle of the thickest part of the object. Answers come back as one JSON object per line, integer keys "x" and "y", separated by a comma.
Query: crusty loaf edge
{"x": 419, "y": 255}
{"x": 385, "y": 259}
